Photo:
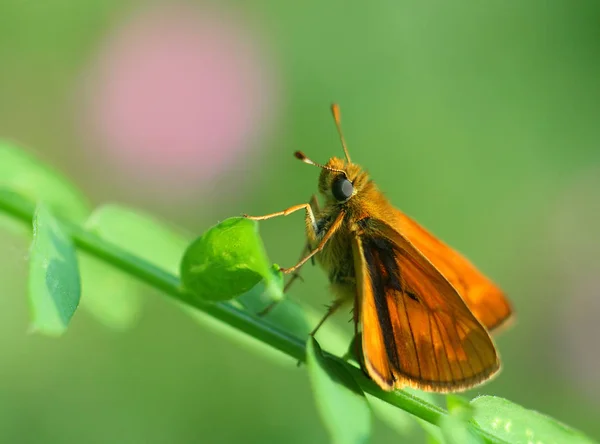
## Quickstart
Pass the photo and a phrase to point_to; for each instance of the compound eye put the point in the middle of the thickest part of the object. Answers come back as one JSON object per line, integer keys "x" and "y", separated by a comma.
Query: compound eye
{"x": 342, "y": 189}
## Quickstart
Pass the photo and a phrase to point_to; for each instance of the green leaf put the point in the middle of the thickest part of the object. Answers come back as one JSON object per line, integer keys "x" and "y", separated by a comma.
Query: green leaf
{"x": 28, "y": 177}
{"x": 53, "y": 275}
{"x": 227, "y": 261}
{"x": 515, "y": 424}
{"x": 340, "y": 401}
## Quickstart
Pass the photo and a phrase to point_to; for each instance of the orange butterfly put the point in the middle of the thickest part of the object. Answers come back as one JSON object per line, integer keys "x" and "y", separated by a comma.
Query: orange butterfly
{"x": 424, "y": 309}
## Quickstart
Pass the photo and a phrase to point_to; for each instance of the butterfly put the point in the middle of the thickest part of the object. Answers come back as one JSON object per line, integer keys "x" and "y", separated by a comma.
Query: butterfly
{"x": 424, "y": 312}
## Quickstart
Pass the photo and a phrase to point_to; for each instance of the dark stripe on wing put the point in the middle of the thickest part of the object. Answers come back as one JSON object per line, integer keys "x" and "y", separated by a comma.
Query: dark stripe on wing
{"x": 372, "y": 254}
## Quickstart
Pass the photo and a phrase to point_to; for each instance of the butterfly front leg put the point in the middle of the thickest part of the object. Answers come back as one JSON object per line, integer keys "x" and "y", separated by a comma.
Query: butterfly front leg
{"x": 328, "y": 235}
{"x": 311, "y": 208}
{"x": 310, "y": 229}
{"x": 311, "y": 224}
{"x": 287, "y": 286}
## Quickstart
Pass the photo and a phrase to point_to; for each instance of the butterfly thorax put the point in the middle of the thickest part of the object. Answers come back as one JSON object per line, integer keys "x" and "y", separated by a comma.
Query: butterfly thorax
{"x": 337, "y": 257}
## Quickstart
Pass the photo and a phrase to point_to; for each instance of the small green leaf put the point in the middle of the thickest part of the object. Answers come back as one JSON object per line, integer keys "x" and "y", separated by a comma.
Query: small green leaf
{"x": 53, "y": 275}
{"x": 227, "y": 261}
{"x": 28, "y": 177}
{"x": 340, "y": 401}
{"x": 515, "y": 424}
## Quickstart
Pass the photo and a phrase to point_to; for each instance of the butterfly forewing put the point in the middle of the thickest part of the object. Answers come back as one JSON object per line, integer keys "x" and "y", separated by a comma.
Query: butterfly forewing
{"x": 484, "y": 299}
{"x": 415, "y": 318}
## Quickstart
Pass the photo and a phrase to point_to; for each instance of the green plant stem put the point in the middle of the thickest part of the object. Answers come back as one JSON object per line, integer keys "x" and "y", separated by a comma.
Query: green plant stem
{"x": 23, "y": 209}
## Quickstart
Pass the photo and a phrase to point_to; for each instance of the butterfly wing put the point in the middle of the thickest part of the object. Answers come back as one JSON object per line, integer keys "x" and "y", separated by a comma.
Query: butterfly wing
{"x": 416, "y": 329}
{"x": 487, "y": 302}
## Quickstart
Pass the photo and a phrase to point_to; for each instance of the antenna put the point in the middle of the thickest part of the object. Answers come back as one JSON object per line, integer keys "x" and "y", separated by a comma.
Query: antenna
{"x": 300, "y": 155}
{"x": 335, "y": 110}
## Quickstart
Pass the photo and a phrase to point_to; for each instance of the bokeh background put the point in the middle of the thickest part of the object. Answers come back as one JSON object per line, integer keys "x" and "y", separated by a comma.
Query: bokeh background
{"x": 481, "y": 120}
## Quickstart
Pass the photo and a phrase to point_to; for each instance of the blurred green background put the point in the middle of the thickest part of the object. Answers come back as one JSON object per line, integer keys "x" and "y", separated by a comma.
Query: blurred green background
{"x": 481, "y": 120}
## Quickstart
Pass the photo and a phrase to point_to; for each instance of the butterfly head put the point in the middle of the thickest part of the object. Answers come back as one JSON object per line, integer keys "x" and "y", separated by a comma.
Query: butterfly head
{"x": 340, "y": 179}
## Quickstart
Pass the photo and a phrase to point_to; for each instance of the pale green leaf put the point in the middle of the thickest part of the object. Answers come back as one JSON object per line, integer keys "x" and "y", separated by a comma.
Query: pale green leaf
{"x": 516, "y": 424}
{"x": 340, "y": 401}
{"x": 54, "y": 286}
{"x": 25, "y": 175}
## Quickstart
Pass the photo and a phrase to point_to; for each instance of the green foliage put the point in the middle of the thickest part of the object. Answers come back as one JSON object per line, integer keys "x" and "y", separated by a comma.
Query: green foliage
{"x": 26, "y": 176}
{"x": 516, "y": 424}
{"x": 340, "y": 400}
{"x": 229, "y": 249}
{"x": 54, "y": 286}
{"x": 226, "y": 279}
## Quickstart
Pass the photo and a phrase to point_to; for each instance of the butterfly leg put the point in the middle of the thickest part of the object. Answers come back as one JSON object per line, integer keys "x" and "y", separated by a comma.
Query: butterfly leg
{"x": 357, "y": 336}
{"x": 311, "y": 224}
{"x": 354, "y": 351}
{"x": 355, "y": 347}
{"x": 295, "y": 276}
{"x": 316, "y": 209}
{"x": 330, "y": 310}
{"x": 313, "y": 204}
{"x": 286, "y": 288}
{"x": 287, "y": 212}
{"x": 334, "y": 227}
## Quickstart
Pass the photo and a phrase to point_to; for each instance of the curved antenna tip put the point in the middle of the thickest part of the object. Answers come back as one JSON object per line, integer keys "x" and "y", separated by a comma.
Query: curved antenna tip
{"x": 300, "y": 155}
